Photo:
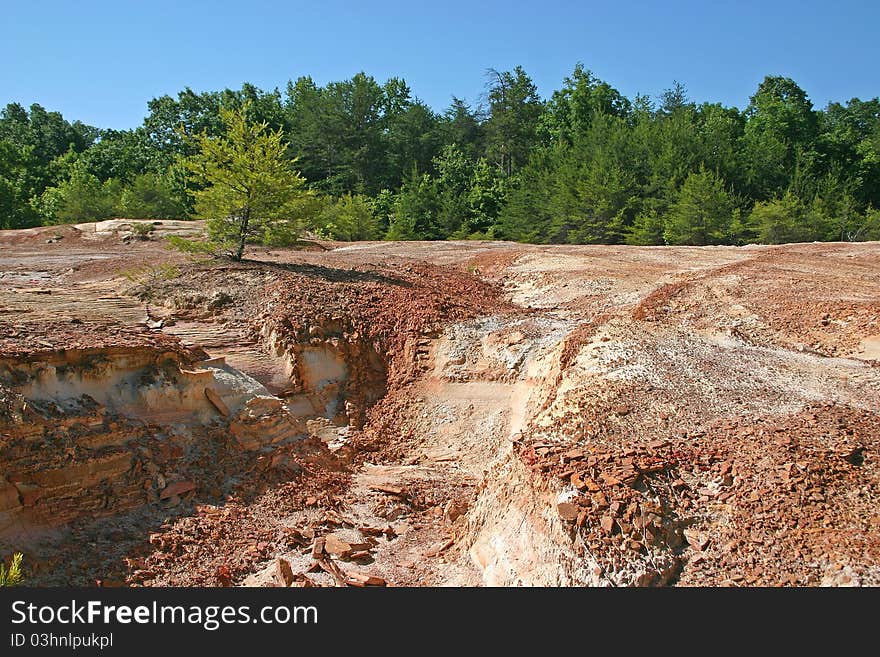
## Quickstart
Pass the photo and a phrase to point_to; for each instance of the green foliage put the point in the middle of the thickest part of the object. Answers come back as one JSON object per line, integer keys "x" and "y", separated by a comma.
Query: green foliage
{"x": 870, "y": 226}
{"x": 357, "y": 135}
{"x": 646, "y": 230}
{"x": 587, "y": 165}
{"x": 584, "y": 192}
{"x": 780, "y": 130}
{"x": 142, "y": 230}
{"x": 781, "y": 220}
{"x": 12, "y": 576}
{"x": 383, "y": 210}
{"x": 485, "y": 198}
{"x": 598, "y": 198}
{"x": 834, "y": 214}
{"x": 454, "y": 173}
{"x": 79, "y": 199}
{"x": 417, "y": 210}
{"x": 193, "y": 247}
{"x": 527, "y": 214}
{"x": 702, "y": 213}
{"x": 169, "y": 120}
{"x": 515, "y": 110}
{"x": 350, "y": 218}
{"x": 742, "y": 229}
{"x": 16, "y": 186}
{"x": 464, "y": 127}
{"x": 152, "y": 196}
{"x": 470, "y": 194}
{"x": 571, "y": 110}
{"x": 249, "y": 190}
{"x": 124, "y": 154}
{"x": 45, "y": 134}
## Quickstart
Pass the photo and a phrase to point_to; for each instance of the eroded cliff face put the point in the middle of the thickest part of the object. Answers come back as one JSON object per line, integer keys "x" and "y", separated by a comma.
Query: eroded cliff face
{"x": 104, "y": 419}
{"x": 89, "y": 432}
{"x": 331, "y": 370}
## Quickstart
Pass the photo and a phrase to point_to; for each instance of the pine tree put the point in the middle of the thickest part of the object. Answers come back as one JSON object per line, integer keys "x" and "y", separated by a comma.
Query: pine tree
{"x": 250, "y": 190}
{"x": 702, "y": 213}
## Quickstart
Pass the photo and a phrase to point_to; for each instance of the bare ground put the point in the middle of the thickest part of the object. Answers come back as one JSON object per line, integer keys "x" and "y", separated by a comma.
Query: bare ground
{"x": 460, "y": 413}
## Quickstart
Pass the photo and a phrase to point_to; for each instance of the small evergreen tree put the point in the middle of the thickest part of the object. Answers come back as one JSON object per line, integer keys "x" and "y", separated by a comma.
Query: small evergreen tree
{"x": 249, "y": 190}
{"x": 870, "y": 228}
{"x": 416, "y": 210}
{"x": 454, "y": 173}
{"x": 486, "y": 197}
{"x": 781, "y": 220}
{"x": 151, "y": 196}
{"x": 350, "y": 218}
{"x": 81, "y": 198}
{"x": 647, "y": 229}
{"x": 702, "y": 213}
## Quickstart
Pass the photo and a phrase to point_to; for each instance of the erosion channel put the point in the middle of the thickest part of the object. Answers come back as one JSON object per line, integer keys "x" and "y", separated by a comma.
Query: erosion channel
{"x": 458, "y": 413}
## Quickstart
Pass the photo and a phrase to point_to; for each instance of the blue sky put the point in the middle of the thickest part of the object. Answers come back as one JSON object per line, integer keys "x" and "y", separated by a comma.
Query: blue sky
{"x": 101, "y": 61}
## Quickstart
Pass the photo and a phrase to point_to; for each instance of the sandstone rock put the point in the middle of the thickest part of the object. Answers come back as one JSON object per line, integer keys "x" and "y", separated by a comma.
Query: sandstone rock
{"x": 567, "y": 511}
{"x": 8, "y": 496}
{"x": 591, "y": 485}
{"x": 696, "y": 540}
{"x": 217, "y": 401}
{"x": 262, "y": 421}
{"x": 440, "y": 548}
{"x": 573, "y": 455}
{"x": 336, "y": 546}
{"x": 84, "y": 475}
{"x": 177, "y": 488}
{"x": 283, "y": 572}
{"x": 610, "y": 479}
{"x": 359, "y": 579}
{"x": 29, "y": 494}
{"x": 390, "y": 490}
{"x": 454, "y": 510}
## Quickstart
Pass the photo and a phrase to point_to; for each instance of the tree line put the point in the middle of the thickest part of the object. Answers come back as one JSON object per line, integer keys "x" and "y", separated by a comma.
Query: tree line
{"x": 586, "y": 165}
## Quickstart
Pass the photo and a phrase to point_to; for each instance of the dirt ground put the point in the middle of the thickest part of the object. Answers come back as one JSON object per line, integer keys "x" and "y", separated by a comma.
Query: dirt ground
{"x": 455, "y": 413}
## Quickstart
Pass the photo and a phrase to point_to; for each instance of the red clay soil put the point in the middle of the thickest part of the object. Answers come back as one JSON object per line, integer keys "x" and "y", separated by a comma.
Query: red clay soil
{"x": 692, "y": 411}
{"x": 35, "y": 340}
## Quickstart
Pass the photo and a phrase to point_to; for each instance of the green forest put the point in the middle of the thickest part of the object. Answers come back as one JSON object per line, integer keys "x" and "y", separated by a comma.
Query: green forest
{"x": 585, "y": 166}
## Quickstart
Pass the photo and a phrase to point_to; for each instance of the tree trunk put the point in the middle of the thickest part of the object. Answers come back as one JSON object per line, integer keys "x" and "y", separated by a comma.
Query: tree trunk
{"x": 244, "y": 219}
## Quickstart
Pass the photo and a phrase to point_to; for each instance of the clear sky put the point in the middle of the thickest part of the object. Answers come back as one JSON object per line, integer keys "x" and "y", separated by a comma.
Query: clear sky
{"x": 101, "y": 61}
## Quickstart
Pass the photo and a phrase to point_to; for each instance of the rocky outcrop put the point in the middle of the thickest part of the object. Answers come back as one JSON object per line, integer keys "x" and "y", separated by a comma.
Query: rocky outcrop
{"x": 334, "y": 370}
{"x": 97, "y": 431}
